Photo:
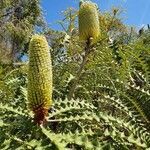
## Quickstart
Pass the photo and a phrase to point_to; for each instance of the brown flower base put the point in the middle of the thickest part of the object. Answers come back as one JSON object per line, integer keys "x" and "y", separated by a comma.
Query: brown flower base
{"x": 40, "y": 114}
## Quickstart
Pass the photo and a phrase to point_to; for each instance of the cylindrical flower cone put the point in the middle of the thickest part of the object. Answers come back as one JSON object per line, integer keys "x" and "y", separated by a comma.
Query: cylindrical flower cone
{"x": 88, "y": 22}
{"x": 39, "y": 78}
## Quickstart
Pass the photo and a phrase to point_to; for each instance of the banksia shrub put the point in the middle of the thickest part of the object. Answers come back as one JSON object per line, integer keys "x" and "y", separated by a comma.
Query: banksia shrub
{"x": 39, "y": 78}
{"x": 88, "y": 22}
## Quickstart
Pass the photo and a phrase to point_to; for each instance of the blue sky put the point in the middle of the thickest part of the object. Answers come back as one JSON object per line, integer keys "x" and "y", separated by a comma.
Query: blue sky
{"x": 137, "y": 12}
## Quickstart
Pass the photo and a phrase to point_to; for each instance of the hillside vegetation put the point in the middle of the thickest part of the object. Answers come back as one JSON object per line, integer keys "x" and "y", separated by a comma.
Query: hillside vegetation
{"x": 86, "y": 87}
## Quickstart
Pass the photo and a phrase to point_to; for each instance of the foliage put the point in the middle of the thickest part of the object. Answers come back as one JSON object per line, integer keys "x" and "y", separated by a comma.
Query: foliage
{"x": 18, "y": 20}
{"x": 110, "y": 105}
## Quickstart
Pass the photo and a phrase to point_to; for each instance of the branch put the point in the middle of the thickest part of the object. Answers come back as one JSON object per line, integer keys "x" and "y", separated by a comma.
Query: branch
{"x": 79, "y": 72}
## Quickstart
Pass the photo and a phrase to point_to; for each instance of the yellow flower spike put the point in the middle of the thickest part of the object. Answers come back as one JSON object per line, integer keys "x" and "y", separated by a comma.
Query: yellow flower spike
{"x": 39, "y": 78}
{"x": 88, "y": 22}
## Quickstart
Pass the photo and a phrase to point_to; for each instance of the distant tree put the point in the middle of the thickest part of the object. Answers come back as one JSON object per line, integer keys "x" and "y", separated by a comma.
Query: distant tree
{"x": 18, "y": 19}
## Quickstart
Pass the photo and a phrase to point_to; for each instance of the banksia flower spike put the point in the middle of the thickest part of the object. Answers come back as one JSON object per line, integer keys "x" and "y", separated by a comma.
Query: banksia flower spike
{"x": 88, "y": 21}
{"x": 39, "y": 78}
